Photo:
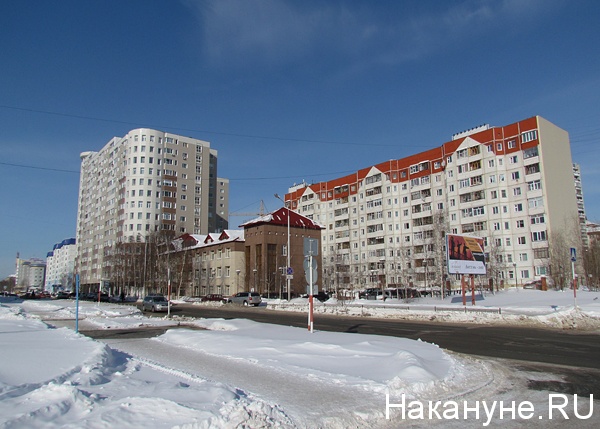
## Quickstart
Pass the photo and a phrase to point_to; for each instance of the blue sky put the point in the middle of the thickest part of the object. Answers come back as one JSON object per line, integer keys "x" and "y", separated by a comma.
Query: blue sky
{"x": 286, "y": 91}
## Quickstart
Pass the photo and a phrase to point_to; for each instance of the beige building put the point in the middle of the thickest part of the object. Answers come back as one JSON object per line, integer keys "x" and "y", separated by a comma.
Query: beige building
{"x": 512, "y": 185}
{"x": 214, "y": 263}
{"x": 144, "y": 183}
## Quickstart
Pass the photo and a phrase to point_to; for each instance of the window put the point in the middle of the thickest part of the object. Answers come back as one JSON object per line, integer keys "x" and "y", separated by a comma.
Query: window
{"x": 522, "y": 240}
{"x": 537, "y": 219}
{"x": 520, "y": 224}
{"x": 512, "y": 144}
{"x": 542, "y": 253}
{"x": 534, "y": 185}
{"x": 529, "y": 136}
{"x": 515, "y": 175}
{"x": 536, "y": 202}
{"x": 516, "y": 192}
{"x": 518, "y": 207}
{"x": 538, "y": 236}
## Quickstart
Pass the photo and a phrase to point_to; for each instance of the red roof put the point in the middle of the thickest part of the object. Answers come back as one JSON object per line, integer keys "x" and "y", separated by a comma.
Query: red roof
{"x": 280, "y": 217}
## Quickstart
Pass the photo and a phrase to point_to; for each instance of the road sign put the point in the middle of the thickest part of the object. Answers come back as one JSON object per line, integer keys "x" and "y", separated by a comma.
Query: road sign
{"x": 573, "y": 254}
{"x": 311, "y": 246}
{"x": 307, "y": 269}
{"x": 290, "y": 271}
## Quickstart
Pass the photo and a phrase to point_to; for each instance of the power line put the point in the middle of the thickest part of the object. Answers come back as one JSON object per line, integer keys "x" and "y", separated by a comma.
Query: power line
{"x": 33, "y": 167}
{"x": 222, "y": 133}
{"x": 38, "y": 168}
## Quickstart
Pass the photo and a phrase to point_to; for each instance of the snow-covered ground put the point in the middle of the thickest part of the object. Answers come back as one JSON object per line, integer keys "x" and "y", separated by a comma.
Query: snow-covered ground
{"x": 214, "y": 373}
{"x": 519, "y": 307}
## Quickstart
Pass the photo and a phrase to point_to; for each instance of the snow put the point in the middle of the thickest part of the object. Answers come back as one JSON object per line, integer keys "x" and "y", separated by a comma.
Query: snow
{"x": 216, "y": 373}
{"x": 520, "y": 307}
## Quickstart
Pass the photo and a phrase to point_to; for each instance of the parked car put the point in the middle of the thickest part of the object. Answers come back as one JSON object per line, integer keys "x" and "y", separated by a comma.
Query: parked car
{"x": 62, "y": 295}
{"x": 155, "y": 303}
{"x": 244, "y": 298}
{"x": 321, "y": 296}
{"x": 370, "y": 293}
{"x": 212, "y": 297}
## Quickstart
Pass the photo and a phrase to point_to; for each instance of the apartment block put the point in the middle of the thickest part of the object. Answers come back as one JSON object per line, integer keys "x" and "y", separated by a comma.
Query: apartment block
{"x": 60, "y": 266}
{"x": 384, "y": 225}
{"x": 145, "y": 183}
{"x": 30, "y": 274}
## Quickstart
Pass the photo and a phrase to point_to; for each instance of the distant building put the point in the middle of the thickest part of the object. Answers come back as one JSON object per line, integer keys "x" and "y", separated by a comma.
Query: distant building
{"x": 144, "y": 184}
{"x": 30, "y": 274}
{"x": 60, "y": 266}
{"x": 580, "y": 205}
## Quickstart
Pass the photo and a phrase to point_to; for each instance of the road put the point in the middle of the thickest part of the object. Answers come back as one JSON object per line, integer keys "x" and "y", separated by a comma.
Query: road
{"x": 549, "y": 346}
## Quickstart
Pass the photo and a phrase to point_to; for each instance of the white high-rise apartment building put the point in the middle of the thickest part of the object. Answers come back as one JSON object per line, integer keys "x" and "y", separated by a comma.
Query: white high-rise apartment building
{"x": 384, "y": 225}
{"x": 140, "y": 184}
{"x": 60, "y": 266}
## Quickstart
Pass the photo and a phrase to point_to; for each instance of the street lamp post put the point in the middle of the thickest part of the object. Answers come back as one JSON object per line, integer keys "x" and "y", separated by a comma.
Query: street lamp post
{"x": 516, "y": 277}
{"x": 288, "y": 250}
{"x": 255, "y": 271}
{"x": 237, "y": 283}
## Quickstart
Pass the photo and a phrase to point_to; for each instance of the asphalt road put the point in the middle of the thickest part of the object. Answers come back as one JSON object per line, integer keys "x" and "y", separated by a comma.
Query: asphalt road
{"x": 549, "y": 346}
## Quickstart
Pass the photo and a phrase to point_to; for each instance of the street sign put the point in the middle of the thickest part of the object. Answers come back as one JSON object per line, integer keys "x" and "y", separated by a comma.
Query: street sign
{"x": 573, "y": 254}
{"x": 311, "y": 246}
{"x": 307, "y": 269}
{"x": 290, "y": 271}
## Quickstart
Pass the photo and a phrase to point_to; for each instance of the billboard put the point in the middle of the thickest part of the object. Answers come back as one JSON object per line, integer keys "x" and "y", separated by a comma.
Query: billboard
{"x": 465, "y": 254}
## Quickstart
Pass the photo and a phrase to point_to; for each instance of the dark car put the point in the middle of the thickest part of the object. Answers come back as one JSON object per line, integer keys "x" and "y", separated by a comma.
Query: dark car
{"x": 212, "y": 297}
{"x": 62, "y": 295}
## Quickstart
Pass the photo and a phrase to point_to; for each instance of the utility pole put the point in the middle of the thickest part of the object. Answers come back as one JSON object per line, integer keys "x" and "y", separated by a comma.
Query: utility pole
{"x": 288, "y": 274}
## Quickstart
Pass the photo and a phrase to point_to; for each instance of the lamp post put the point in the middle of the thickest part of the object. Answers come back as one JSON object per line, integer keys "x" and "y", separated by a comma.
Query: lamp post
{"x": 237, "y": 283}
{"x": 255, "y": 271}
{"x": 515, "y": 268}
{"x": 288, "y": 252}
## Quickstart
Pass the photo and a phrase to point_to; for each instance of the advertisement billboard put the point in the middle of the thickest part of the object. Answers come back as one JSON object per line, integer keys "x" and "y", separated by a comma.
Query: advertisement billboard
{"x": 465, "y": 254}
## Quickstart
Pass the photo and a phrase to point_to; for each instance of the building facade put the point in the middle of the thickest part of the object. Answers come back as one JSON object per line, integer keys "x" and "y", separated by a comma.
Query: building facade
{"x": 30, "y": 274}
{"x": 60, "y": 266}
{"x": 385, "y": 224}
{"x": 266, "y": 237}
{"x": 144, "y": 184}
{"x": 212, "y": 264}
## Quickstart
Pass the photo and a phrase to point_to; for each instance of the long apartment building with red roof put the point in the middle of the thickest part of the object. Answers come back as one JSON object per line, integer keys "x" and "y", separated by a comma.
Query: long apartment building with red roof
{"x": 384, "y": 225}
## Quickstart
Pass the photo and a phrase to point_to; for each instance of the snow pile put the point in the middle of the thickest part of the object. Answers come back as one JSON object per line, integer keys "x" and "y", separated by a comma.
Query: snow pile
{"x": 521, "y": 307}
{"x": 55, "y": 378}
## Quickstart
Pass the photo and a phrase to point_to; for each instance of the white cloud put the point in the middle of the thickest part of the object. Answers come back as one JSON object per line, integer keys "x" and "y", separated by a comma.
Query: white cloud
{"x": 276, "y": 33}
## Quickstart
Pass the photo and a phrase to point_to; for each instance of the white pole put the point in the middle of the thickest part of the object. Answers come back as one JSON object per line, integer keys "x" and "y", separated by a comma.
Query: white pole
{"x": 574, "y": 283}
{"x": 169, "y": 292}
{"x": 310, "y": 291}
{"x": 287, "y": 275}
